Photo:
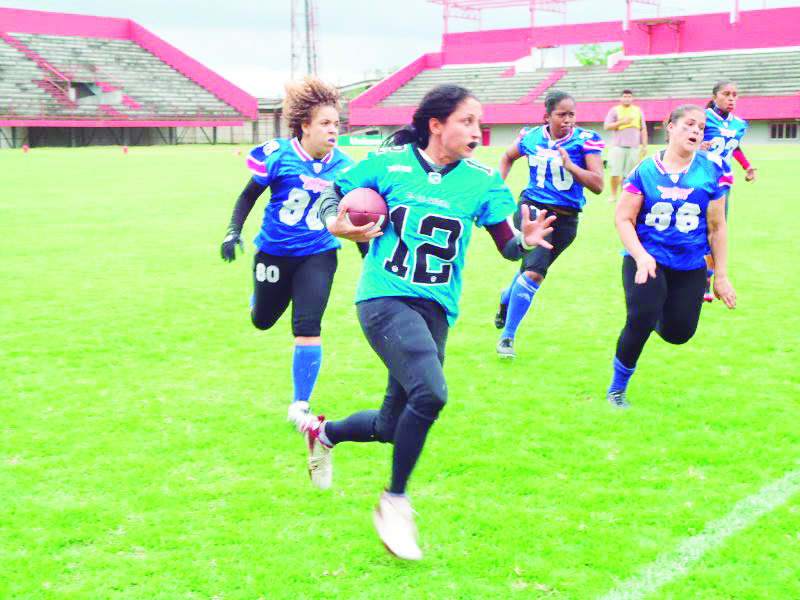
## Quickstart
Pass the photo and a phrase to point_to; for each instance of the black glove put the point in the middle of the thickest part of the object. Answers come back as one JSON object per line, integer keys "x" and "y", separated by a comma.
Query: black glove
{"x": 228, "y": 249}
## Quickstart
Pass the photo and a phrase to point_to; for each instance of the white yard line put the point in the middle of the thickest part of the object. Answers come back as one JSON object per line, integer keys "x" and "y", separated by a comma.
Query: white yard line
{"x": 675, "y": 564}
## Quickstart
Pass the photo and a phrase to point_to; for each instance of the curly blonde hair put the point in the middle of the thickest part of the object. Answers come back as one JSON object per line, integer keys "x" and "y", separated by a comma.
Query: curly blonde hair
{"x": 303, "y": 97}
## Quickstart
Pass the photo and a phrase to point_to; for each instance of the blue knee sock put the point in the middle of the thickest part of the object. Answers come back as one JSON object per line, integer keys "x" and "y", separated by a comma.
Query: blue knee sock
{"x": 621, "y": 376}
{"x": 519, "y": 302}
{"x": 305, "y": 368}
{"x": 506, "y": 293}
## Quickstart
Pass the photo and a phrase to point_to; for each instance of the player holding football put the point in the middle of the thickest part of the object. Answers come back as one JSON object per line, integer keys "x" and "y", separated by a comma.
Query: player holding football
{"x": 563, "y": 160}
{"x": 672, "y": 206}
{"x": 408, "y": 292}
{"x": 296, "y": 256}
{"x": 723, "y": 136}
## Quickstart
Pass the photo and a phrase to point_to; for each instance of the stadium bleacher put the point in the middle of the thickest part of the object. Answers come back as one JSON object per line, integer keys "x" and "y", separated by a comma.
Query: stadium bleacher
{"x": 762, "y": 73}
{"x": 114, "y": 64}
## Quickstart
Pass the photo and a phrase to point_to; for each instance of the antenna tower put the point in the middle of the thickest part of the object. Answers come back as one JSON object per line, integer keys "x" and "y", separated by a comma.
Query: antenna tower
{"x": 304, "y": 38}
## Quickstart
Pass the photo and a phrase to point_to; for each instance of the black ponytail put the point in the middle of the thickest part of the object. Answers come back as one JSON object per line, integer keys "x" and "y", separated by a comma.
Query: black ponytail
{"x": 439, "y": 103}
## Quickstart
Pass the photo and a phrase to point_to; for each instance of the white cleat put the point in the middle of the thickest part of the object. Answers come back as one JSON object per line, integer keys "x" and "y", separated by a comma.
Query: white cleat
{"x": 505, "y": 348}
{"x": 394, "y": 520}
{"x": 320, "y": 465}
{"x": 298, "y": 413}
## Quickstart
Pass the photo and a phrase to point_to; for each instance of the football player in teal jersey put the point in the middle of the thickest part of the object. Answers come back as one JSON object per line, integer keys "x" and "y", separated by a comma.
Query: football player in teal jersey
{"x": 672, "y": 208}
{"x": 723, "y": 137}
{"x": 563, "y": 160}
{"x": 410, "y": 283}
{"x": 296, "y": 257}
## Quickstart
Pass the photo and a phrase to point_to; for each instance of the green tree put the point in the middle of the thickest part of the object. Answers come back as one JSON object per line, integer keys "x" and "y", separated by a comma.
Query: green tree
{"x": 592, "y": 54}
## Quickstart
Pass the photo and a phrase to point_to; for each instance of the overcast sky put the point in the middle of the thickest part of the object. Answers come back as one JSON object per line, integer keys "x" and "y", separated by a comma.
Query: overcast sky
{"x": 249, "y": 41}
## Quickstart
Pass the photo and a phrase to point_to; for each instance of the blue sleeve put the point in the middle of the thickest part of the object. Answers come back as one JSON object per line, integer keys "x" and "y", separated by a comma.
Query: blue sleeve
{"x": 593, "y": 144}
{"x": 261, "y": 160}
{"x": 522, "y": 141}
{"x": 498, "y": 203}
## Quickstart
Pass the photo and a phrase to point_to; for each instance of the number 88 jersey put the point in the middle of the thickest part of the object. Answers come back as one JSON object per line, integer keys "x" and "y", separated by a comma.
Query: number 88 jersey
{"x": 724, "y": 135}
{"x": 671, "y": 224}
{"x": 550, "y": 182}
{"x": 291, "y": 225}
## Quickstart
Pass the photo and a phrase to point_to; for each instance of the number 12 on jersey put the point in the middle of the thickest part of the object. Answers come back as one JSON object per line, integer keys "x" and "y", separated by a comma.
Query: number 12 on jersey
{"x": 428, "y": 225}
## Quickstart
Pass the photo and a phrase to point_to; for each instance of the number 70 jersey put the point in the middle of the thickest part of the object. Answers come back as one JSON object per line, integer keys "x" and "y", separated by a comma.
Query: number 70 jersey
{"x": 671, "y": 224}
{"x": 550, "y": 182}
{"x": 431, "y": 214}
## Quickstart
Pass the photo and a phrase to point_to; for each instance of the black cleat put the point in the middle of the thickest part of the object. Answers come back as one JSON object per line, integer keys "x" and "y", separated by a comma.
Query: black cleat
{"x": 500, "y": 317}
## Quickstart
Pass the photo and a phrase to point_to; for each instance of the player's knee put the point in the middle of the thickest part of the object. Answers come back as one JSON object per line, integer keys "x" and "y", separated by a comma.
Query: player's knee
{"x": 676, "y": 337}
{"x": 260, "y": 322}
{"x": 431, "y": 402}
{"x": 384, "y": 431}
{"x": 642, "y": 319}
{"x": 537, "y": 278}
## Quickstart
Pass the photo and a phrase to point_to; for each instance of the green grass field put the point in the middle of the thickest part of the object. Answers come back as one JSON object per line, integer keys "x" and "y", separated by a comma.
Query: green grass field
{"x": 144, "y": 451}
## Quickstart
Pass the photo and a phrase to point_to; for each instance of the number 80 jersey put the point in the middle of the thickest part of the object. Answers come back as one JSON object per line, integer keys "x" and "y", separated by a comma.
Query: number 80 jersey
{"x": 431, "y": 213}
{"x": 291, "y": 225}
{"x": 671, "y": 224}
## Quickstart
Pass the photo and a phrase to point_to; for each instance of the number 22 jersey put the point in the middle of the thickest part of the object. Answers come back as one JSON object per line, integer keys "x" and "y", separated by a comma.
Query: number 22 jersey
{"x": 431, "y": 213}
{"x": 671, "y": 224}
{"x": 725, "y": 135}
{"x": 291, "y": 225}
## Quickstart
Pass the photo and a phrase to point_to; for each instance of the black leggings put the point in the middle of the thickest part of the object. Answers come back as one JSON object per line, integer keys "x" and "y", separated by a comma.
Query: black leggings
{"x": 409, "y": 334}
{"x": 304, "y": 280}
{"x": 669, "y": 304}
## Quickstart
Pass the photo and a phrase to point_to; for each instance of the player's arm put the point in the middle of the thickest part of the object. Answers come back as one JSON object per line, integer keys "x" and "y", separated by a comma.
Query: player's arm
{"x": 644, "y": 139}
{"x": 333, "y": 212}
{"x": 512, "y": 243}
{"x": 511, "y": 154}
{"x": 718, "y": 240}
{"x": 625, "y": 215}
{"x": 592, "y": 176}
{"x": 738, "y": 154}
{"x": 244, "y": 204}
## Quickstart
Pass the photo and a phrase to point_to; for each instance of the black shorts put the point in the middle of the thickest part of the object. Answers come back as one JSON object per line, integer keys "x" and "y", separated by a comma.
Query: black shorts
{"x": 565, "y": 228}
{"x": 305, "y": 280}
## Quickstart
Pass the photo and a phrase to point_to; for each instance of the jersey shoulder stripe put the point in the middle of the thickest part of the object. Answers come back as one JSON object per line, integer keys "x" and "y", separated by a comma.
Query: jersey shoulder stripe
{"x": 258, "y": 156}
{"x": 471, "y": 162}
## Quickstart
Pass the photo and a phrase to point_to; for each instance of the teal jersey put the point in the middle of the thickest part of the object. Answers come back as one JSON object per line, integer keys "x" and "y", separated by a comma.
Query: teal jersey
{"x": 421, "y": 252}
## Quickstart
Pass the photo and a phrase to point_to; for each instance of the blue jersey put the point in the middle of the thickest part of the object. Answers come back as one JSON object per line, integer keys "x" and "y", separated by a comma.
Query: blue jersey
{"x": 671, "y": 224}
{"x": 291, "y": 224}
{"x": 421, "y": 252}
{"x": 725, "y": 135}
{"x": 550, "y": 182}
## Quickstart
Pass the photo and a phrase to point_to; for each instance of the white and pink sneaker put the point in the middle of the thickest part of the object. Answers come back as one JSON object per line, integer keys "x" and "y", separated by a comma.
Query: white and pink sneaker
{"x": 320, "y": 465}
